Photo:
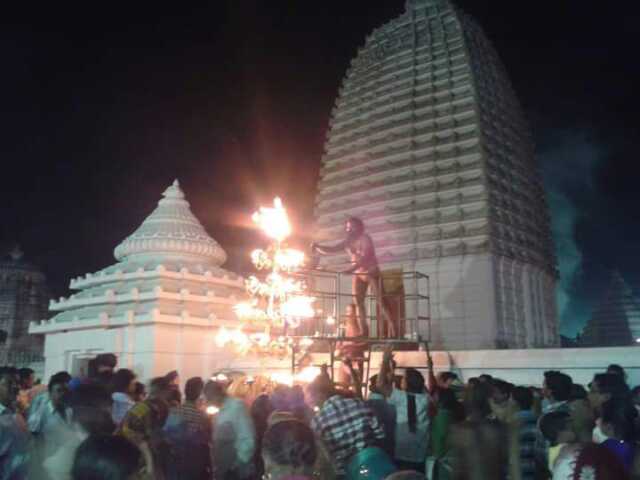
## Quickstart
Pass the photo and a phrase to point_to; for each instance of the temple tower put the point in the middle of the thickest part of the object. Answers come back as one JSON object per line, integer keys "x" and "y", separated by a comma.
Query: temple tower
{"x": 429, "y": 146}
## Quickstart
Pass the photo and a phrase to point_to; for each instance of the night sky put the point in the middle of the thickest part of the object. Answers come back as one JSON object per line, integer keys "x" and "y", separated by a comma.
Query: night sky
{"x": 104, "y": 105}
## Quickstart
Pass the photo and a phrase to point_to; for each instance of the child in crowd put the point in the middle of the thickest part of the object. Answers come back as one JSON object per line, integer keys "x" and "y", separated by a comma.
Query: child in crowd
{"x": 556, "y": 428}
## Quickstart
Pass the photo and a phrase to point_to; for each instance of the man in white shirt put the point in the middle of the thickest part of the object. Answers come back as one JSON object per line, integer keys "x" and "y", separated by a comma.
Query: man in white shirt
{"x": 50, "y": 423}
{"x": 234, "y": 437}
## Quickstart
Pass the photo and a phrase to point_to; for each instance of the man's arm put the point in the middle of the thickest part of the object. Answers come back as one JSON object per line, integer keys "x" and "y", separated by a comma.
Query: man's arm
{"x": 328, "y": 249}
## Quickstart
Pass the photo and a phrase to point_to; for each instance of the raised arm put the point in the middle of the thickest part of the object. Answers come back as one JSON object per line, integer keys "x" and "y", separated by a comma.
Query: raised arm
{"x": 328, "y": 249}
{"x": 385, "y": 377}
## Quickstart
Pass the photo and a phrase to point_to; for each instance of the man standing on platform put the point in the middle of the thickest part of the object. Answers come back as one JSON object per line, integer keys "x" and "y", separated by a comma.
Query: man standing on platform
{"x": 364, "y": 266}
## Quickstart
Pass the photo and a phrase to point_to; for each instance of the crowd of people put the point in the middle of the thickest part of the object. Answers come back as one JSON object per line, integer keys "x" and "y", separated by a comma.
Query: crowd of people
{"x": 107, "y": 425}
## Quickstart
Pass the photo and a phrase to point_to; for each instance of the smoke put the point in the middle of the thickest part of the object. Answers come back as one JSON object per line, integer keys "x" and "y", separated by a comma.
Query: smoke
{"x": 568, "y": 161}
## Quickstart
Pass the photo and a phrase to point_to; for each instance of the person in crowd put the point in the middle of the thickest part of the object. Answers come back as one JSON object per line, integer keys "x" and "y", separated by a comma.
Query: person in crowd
{"x": 444, "y": 380}
{"x": 556, "y": 390}
{"x": 556, "y": 429}
{"x": 91, "y": 415}
{"x": 604, "y": 387}
{"x": 478, "y": 450}
{"x": 477, "y": 402}
{"x": 261, "y": 410}
{"x": 107, "y": 457}
{"x": 616, "y": 369}
{"x": 582, "y": 419}
{"x": 449, "y": 412}
{"x": 28, "y": 389}
{"x": 412, "y": 417}
{"x": 289, "y": 451}
{"x": 139, "y": 392}
{"x": 233, "y": 436}
{"x": 123, "y": 384}
{"x": 14, "y": 438}
{"x": 485, "y": 378}
{"x": 188, "y": 432}
{"x": 588, "y": 461}
{"x": 102, "y": 368}
{"x": 142, "y": 425}
{"x": 615, "y": 429}
{"x": 50, "y": 425}
{"x": 526, "y": 424}
{"x": 385, "y": 413}
{"x": 345, "y": 426}
{"x": 502, "y": 406}
{"x": 173, "y": 378}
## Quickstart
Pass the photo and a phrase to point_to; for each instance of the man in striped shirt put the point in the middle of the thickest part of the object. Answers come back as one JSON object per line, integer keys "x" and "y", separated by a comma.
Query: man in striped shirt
{"x": 344, "y": 425}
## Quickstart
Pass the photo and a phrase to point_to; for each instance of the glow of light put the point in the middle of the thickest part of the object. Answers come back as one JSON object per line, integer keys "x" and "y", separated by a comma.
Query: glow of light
{"x": 331, "y": 320}
{"x": 282, "y": 378}
{"x": 298, "y": 307}
{"x": 638, "y": 340}
{"x": 220, "y": 377}
{"x": 316, "y": 409}
{"x": 307, "y": 374}
{"x": 212, "y": 410}
{"x": 288, "y": 259}
{"x": 273, "y": 221}
{"x": 306, "y": 342}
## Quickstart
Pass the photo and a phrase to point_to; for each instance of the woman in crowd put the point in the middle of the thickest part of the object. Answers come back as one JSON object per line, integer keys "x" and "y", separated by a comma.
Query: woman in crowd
{"x": 412, "y": 419}
{"x": 615, "y": 430}
{"x": 448, "y": 413}
{"x": 124, "y": 385}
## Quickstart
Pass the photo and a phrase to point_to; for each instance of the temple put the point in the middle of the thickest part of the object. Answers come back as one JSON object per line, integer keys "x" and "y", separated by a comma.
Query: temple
{"x": 158, "y": 308}
{"x": 24, "y": 296}
{"x": 616, "y": 320}
{"x": 429, "y": 146}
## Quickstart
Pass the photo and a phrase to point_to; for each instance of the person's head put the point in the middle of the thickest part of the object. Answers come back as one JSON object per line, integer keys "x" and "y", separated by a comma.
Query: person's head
{"x": 59, "y": 389}
{"x": 124, "y": 381}
{"x": 193, "y": 389}
{"x": 173, "y": 377}
{"x": 522, "y": 397}
{"x": 106, "y": 363}
{"x": 174, "y": 397}
{"x": 477, "y": 401}
{"x": 353, "y": 226}
{"x": 445, "y": 379}
{"x": 91, "y": 395}
{"x": 215, "y": 393}
{"x": 319, "y": 391}
{"x": 413, "y": 381}
{"x": 617, "y": 419}
{"x": 501, "y": 391}
{"x": 373, "y": 384}
{"x": 473, "y": 381}
{"x": 9, "y": 387}
{"x": 26, "y": 376}
{"x": 139, "y": 392}
{"x": 107, "y": 457}
{"x": 606, "y": 386}
{"x": 578, "y": 392}
{"x": 160, "y": 388}
{"x": 556, "y": 428}
{"x": 557, "y": 386}
{"x": 485, "y": 378}
{"x": 617, "y": 370}
{"x": 288, "y": 449}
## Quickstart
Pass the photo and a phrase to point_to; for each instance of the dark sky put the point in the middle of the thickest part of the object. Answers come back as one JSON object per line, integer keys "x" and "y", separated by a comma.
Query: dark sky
{"x": 104, "y": 105}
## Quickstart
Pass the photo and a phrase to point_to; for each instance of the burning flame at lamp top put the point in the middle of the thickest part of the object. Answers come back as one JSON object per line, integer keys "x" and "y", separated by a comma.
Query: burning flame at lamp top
{"x": 273, "y": 221}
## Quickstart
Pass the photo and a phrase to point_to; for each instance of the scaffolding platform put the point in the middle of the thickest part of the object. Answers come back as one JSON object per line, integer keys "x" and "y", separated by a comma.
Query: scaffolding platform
{"x": 404, "y": 294}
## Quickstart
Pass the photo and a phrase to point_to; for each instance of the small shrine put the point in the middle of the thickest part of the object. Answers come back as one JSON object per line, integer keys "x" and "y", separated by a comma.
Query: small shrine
{"x": 158, "y": 308}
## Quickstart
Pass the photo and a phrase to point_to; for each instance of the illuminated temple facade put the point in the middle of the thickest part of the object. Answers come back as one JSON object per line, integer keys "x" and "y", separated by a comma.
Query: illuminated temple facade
{"x": 429, "y": 146}
{"x": 158, "y": 308}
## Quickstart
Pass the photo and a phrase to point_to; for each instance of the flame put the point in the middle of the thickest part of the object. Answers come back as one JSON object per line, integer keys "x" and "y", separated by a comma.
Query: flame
{"x": 298, "y": 307}
{"x": 288, "y": 259}
{"x": 273, "y": 221}
{"x": 306, "y": 375}
{"x": 212, "y": 410}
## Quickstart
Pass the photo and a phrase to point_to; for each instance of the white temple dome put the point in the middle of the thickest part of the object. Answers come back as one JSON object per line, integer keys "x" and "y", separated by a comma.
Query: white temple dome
{"x": 171, "y": 231}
